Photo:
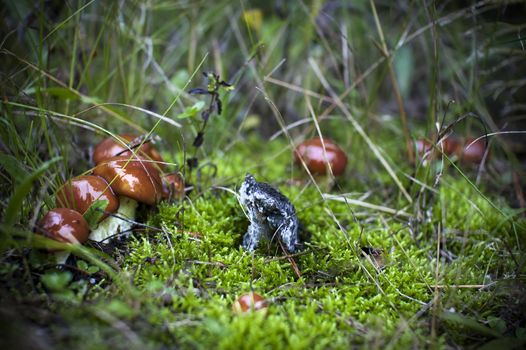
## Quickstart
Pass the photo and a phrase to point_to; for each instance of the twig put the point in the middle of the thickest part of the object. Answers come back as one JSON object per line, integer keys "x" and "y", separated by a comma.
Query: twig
{"x": 460, "y": 286}
{"x": 290, "y": 259}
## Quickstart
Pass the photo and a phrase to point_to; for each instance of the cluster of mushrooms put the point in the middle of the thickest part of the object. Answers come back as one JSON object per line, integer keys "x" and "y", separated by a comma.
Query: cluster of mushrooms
{"x": 468, "y": 150}
{"x": 123, "y": 179}
{"x": 323, "y": 155}
{"x": 127, "y": 172}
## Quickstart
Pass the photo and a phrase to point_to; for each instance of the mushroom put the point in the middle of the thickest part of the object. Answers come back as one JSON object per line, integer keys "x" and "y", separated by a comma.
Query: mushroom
{"x": 133, "y": 180}
{"x": 80, "y": 193}
{"x": 111, "y": 147}
{"x": 472, "y": 151}
{"x": 451, "y": 145}
{"x": 173, "y": 186}
{"x": 250, "y": 302}
{"x": 320, "y": 155}
{"x": 423, "y": 148}
{"x": 64, "y": 225}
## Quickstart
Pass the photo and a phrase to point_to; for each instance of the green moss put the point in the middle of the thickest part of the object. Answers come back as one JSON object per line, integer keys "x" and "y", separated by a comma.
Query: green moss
{"x": 198, "y": 262}
{"x": 185, "y": 277}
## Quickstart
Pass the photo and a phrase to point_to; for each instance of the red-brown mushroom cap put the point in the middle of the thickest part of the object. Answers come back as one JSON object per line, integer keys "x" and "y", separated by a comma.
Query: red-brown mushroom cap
{"x": 422, "y": 148}
{"x": 64, "y": 225}
{"x": 137, "y": 178}
{"x": 110, "y": 147}
{"x": 249, "y": 302}
{"x": 472, "y": 153}
{"x": 173, "y": 186}
{"x": 80, "y": 193}
{"x": 317, "y": 160}
{"x": 451, "y": 145}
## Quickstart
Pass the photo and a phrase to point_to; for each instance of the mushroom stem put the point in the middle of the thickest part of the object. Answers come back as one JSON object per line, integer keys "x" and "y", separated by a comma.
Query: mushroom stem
{"x": 114, "y": 224}
{"x": 61, "y": 257}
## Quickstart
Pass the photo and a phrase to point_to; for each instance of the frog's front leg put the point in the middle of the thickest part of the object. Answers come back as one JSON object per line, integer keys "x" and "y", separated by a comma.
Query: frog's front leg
{"x": 253, "y": 235}
{"x": 288, "y": 232}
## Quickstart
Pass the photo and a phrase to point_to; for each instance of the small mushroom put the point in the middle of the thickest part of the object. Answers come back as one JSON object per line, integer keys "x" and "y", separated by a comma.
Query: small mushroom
{"x": 64, "y": 225}
{"x": 134, "y": 181}
{"x": 80, "y": 193}
{"x": 319, "y": 155}
{"x": 173, "y": 186}
{"x": 110, "y": 147}
{"x": 472, "y": 152}
{"x": 423, "y": 148}
{"x": 134, "y": 178}
{"x": 250, "y": 302}
{"x": 451, "y": 145}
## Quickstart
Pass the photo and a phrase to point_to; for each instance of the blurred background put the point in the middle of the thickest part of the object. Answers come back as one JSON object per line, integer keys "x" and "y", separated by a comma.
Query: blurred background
{"x": 74, "y": 71}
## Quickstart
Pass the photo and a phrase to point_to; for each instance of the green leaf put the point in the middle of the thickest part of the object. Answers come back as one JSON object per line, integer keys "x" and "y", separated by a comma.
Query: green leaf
{"x": 497, "y": 324}
{"x": 96, "y": 101}
{"x": 62, "y": 93}
{"x": 404, "y": 68}
{"x": 81, "y": 264}
{"x": 93, "y": 269}
{"x": 56, "y": 281}
{"x": 15, "y": 203}
{"x": 95, "y": 212}
{"x": 470, "y": 323}
{"x": 192, "y": 111}
{"x": 504, "y": 343}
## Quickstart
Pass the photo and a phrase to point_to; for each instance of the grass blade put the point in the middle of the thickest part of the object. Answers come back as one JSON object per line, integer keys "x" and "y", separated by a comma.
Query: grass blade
{"x": 16, "y": 201}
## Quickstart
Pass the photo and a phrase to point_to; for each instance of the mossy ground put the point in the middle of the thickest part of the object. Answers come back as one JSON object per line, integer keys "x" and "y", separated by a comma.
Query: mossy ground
{"x": 183, "y": 280}
{"x": 447, "y": 271}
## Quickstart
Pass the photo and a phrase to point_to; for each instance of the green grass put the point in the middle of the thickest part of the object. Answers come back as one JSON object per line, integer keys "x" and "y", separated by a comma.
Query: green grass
{"x": 451, "y": 268}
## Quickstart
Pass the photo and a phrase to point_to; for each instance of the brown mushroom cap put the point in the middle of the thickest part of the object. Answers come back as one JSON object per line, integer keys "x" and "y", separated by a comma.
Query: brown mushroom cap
{"x": 80, "y": 193}
{"x": 317, "y": 160}
{"x": 64, "y": 225}
{"x": 249, "y": 302}
{"x": 451, "y": 145}
{"x": 422, "y": 148}
{"x": 173, "y": 186}
{"x": 110, "y": 147}
{"x": 472, "y": 153}
{"x": 137, "y": 178}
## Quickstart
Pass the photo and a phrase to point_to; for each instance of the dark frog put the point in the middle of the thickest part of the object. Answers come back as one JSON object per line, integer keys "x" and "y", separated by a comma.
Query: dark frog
{"x": 271, "y": 214}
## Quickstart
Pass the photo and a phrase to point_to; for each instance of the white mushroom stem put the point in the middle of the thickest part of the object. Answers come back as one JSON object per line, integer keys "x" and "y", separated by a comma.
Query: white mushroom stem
{"x": 113, "y": 225}
{"x": 61, "y": 257}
